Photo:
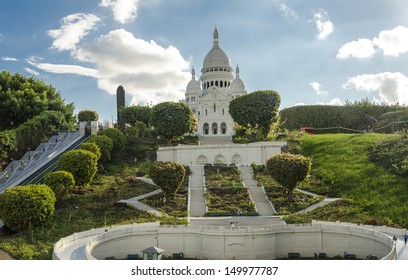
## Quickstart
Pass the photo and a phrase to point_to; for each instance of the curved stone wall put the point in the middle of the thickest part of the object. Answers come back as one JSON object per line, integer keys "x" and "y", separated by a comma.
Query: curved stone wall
{"x": 218, "y": 243}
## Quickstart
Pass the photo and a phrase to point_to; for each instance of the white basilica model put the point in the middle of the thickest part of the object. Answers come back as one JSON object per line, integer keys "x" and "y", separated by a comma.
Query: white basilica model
{"x": 209, "y": 97}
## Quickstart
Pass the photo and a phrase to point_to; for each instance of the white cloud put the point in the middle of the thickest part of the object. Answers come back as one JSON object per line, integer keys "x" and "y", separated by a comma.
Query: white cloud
{"x": 324, "y": 26}
{"x": 317, "y": 88}
{"x": 147, "y": 71}
{"x": 32, "y": 72}
{"x": 362, "y": 48}
{"x": 335, "y": 102}
{"x": 393, "y": 42}
{"x": 124, "y": 11}
{"x": 6, "y": 58}
{"x": 73, "y": 28}
{"x": 65, "y": 69}
{"x": 391, "y": 87}
{"x": 285, "y": 9}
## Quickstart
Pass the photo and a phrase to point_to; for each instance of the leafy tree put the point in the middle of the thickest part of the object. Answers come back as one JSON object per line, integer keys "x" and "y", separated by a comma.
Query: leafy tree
{"x": 87, "y": 116}
{"x": 141, "y": 128}
{"x": 118, "y": 138}
{"x": 81, "y": 164}
{"x": 23, "y": 98}
{"x": 105, "y": 145}
{"x": 168, "y": 176}
{"x": 92, "y": 147}
{"x": 26, "y": 207}
{"x": 61, "y": 182}
{"x": 8, "y": 144}
{"x": 31, "y": 133}
{"x": 258, "y": 109}
{"x": 288, "y": 170}
{"x": 133, "y": 114}
{"x": 172, "y": 120}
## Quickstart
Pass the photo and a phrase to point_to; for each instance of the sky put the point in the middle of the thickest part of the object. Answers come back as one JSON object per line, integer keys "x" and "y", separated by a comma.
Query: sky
{"x": 311, "y": 52}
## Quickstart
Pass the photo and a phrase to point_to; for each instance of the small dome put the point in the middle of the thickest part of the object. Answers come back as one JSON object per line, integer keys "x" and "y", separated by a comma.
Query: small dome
{"x": 194, "y": 85}
{"x": 216, "y": 57}
{"x": 237, "y": 84}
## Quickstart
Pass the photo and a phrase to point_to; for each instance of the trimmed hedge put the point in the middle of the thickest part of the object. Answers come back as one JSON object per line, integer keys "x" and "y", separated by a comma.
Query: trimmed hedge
{"x": 82, "y": 164}
{"x": 324, "y": 116}
{"x": 26, "y": 207}
{"x": 91, "y": 147}
{"x": 168, "y": 176}
{"x": 61, "y": 182}
{"x": 118, "y": 138}
{"x": 105, "y": 145}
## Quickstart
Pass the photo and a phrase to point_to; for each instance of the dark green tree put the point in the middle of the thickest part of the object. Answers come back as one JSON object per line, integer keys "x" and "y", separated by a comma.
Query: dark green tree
{"x": 26, "y": 207}
{"x": 87, "y": 116}
{"x": 61, "y": 182}
{"x": 23, "y": 98}
{"x": 8, "y": 145}
{"x": 105, "y": 145}
{"x": 257, "y": 110}
{"x": 81, "y": 164}
{"x": 118, "y": 138}
{"x": 288, "y": 170}
{"x": 168, "y": 176}
{"x": 172, "y": 120}
{"x": 131, "y": 115}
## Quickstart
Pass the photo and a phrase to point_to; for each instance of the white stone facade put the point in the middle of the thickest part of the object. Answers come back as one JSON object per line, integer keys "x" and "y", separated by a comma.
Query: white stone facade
{"x": 239, "y": 154}
{"x": 209, "y": 97}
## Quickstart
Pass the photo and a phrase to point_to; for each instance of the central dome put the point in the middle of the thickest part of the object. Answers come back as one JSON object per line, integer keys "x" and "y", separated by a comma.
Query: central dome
{"x": 216, "y": 57}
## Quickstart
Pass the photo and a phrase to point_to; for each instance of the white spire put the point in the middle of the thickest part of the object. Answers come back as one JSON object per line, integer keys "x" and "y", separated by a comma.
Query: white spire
{"x": 193, "y": 73}
{"x": 216, "y": 36}
{"x": 237, "y": 70}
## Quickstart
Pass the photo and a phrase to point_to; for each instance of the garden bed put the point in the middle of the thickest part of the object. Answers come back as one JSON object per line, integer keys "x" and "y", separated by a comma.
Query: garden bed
{"x": 226, "y": 195}
{"x": 278, "y": 195}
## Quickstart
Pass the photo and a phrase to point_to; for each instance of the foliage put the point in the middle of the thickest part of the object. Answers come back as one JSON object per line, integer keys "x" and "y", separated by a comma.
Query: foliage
{"x": 92, "y": 147}
{"x": 26, "y": 207}
{"x": 118, "y": 138}
{"x": 105, "y": 145}
{"x": 392, "y": 154}
{"x": 168, "y": 176}
{"x": 8, "y": 144}
{"x": 61, "y": 182}
{"x": 31, "y": 133}
{"x": 172, "y": 120}
{"x": 87, "y": 116}
{"x": 341, "y": 162}
{"x": 288, "y": 170}
{"x": 131, "y": 115}
{"x": 23, "y": 98}
{"x": 257, "y": 110}
{"x": 81, "y": 164}
{"x": 356, "y": 116}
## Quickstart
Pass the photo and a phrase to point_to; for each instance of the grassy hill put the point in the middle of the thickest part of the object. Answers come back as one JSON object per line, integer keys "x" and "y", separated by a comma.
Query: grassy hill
{"x": 373, "y": 194}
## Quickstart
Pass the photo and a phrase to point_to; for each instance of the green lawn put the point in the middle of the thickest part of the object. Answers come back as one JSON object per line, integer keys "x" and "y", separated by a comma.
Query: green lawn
{"x": 341, "y": 162}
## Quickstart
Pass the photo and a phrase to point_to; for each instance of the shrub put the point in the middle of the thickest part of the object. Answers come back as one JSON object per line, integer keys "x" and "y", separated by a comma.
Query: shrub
{"x": 82, "y": 164}
{"x": 288, "y": 170}
{"x": 92, "y": 147}
{"x": 61, "y": 183}
{"x": 105, "y": 145}
{"x": 168, "y": 176}
{"x": 87, "y": 116}
{"x": 118, "y": 138}
{"x": 26, "y": 207}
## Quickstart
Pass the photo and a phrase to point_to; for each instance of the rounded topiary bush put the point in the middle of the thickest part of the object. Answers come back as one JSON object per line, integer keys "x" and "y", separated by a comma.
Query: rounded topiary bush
{"x": 81, "y": 164}
{"x": 61, "y": 182}
{"x": 118, "y": 138}
{"x": 105, "y": 145}
{"x": 26, "y": 207}
{"x": 92, "y": 147}
{"x": 168, "y": 176}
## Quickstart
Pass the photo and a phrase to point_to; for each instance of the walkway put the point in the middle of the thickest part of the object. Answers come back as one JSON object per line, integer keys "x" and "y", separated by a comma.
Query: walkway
{"x": 197, "y": 194}
{"x": 263, "y": 206}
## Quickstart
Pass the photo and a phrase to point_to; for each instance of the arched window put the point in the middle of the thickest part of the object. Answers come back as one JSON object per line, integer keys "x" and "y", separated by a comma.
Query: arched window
{"x": 215, "y": 107}
{"x": 212, "y": 83}
{"x": 206, "y": 112}
{"x": 214, "y": 128}
{"x": 187, "y": 99}
{"x": 206, "y": 129}
{"x": 223, "y": 128}
{"x": 223, "y": 111}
